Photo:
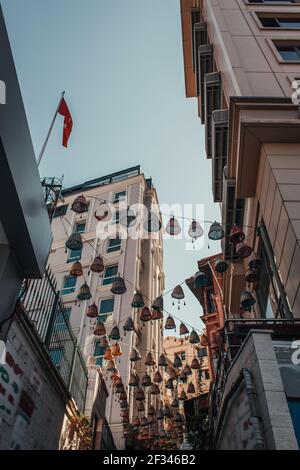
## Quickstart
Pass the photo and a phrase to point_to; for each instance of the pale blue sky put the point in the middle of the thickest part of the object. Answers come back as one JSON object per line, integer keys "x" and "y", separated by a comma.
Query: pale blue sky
{"x": 121, "y": 65}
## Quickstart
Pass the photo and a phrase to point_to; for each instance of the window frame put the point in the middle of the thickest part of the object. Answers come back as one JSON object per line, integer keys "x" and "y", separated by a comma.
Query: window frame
{"x": 99, "y": 356}
{"x": 110, "y": 314}
{"x": 108, "y": 248}
{"x": 117, "y": 200}
{"x": 73, "y": 259}
{"x": 112, "y": 278}
{"x": 77, "y": 224}
{"x": 71, "y": 289}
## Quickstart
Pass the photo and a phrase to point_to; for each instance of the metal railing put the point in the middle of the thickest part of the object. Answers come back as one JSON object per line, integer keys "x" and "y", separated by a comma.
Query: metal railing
{"x": 44, "y": 307}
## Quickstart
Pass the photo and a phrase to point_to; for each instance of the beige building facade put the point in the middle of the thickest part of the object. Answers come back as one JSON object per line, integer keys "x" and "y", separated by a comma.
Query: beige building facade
{"x": 139, "y": 261}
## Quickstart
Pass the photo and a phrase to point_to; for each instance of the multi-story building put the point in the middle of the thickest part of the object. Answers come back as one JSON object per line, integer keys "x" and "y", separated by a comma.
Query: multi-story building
{"x": 242, "y": 64}
{"x": 138, "y": 259}
{"x": 181, "y": 347}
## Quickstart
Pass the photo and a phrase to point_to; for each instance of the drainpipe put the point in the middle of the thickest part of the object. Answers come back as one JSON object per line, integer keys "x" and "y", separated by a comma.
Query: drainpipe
{"x": 267, "y": 245}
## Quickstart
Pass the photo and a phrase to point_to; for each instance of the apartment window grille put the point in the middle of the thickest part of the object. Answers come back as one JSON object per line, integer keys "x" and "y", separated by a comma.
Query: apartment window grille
{"x": 61, "y": 320}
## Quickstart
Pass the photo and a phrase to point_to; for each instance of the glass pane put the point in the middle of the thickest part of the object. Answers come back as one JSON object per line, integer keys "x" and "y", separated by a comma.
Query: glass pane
{"x": 107, "y": 306}
{"x": 75, "y": 255}
{"x": 79, "y": 228}
{"x": 288, "y": 53}
{"x": 114, "y": 245}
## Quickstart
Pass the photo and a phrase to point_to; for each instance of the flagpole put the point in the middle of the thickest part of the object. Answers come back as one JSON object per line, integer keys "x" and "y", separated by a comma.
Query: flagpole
{"x": 50, "y": 130}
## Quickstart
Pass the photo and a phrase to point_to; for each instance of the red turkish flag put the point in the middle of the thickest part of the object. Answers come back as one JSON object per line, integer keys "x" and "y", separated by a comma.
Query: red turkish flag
{"x": 68, "y": 122}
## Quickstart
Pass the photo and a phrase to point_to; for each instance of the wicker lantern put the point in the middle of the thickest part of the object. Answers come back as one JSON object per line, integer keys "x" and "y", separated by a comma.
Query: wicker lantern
{"x": 157, "y": 315}
{"x": 221, "y": 266}
{"x": 139, "y": 395}
{"x": 128, "y": 325}
{"x": 194, "y": 337}
{"x": 162, "y": 361}
{"x": 255, "y": 261}
{"x": 145, "y": 315}
{"x": 137, "y": 301}
{"x": 216, "y": 232}
{"x": 236, "y": 235}
{"x": 195, "y": 230}
{"x": 76, "y": 270}
{"x": 183, "y": 330}
{"x": 84, "y": 293}
{"x": 187, "y": 370}
{"x": 177, "y": 362}
{"x": 134, "y": 355}
{"x": 97, "y": 265}
{"x": 243, "y": 250}
{"x": 173, "y": 227}
{"x": 118, "y": 286}
{"x": 158, "y": 304}
{"x": 201, "y": 280}
{"x": 154, "y": 390}
{"x": 169, "y": 384}
{"x": 170, "y": 324}
{"x": 116, "y": 350}
{"x": 92, "y": 311}
{"x": 146, "y": 381}
{"x": 195, "y": 364}
{"x": 74, "y": 242}
{"x": 140, "y": 407}
{"x": 182, "y": 378}
{"x": 100, "y": 329}
{"x": 80, "y": 205}
{"x": 115, "y": 334}
{"x": 133, "y": 380}
{"x": 191, "y": 388}
{"x": 150, "y": 360}
{"x": 157, "y": 377}
{"x": 182, "y": 396}
{"x": 247, "y": 301}
{"x": 251, "y": 276}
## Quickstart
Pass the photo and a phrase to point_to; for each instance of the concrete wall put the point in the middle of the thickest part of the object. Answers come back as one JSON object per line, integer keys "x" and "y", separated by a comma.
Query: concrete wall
{"x": 256, "y": 355}
{"x": 244, "y": 50}
{"x": 32, "y": 421}
{"x": 278, "y": 193}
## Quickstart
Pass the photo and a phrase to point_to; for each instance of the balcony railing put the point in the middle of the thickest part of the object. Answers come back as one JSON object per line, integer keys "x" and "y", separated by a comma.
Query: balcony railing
{"x": 44, "y": 307}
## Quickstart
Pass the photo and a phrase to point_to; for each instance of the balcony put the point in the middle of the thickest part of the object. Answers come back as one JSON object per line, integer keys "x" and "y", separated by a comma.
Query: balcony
{"x": 44, "y": 315}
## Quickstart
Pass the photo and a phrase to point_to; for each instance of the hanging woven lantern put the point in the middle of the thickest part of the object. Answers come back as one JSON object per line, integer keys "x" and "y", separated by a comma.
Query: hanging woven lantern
{"x": 118, "y": 286}
{"x": 99, "y": 329}
{"x": 151, "y": 419}
{"x": 79, "y": 205}
{"x": 140, "y": 407}
{"x": 124, "y": 405}
{"x": 97, "y": 265}
{"x": 76, "y": 270}
{"x": 169, "y": 384}
{"x": 137, "y": 301}
{"x": 195, "y": 364}
{"x": 177, "y": 362}
{"x": 157, "y": 377}
{"x": 194, "y": 337}
{"x": 128, "y": 325}
{"x": 216, "y": 232}
{"x": 115, "y": 334}
{"x": 182, "y": 378}
{"x": 123, "y": 396}
{"x": 204, "y": 341}
{"x": 145, "y": 315}
{"x": 134, "y": 355}
{"x": 133, "y": 380}
{"x": 111, "y": 365}
{"x": 175, "y": 403}
{"x": 146, "y": 381}
{"x": 151, "y": 411}
{"x": 116, "y": 350}
{"x": 136, "y": 422}
{"x": 183, "y": 329}
{"x": 92, "y": 311}
{"x": 157, "y": 315}
{"x": 154, "y": 390}
{"x": 191, "y": 388}
{"x": 139, "y": 395}
{"x": 103, "y": 342}
{"x": 170, "y": 324}
{"x": 187, "y": 370}
{"x": 144, "y": 421}
{"x": 160, "y": 414}
{"x": 178, "y": 293}
{"x": 173, "y": 227}
{"x": 152, "y": 224}
{"x": 162, "y": 361}
{"x": 243, "y": 250}
{"x": 182, "y": 396}
{"x": 149, "y": 360}
{"x": 201, "y": 280}
{"x": 158, "y": 304}
{"x": 84, "y": 293}
{"x": 221, "y": 266}
{"x": 74, "y": 242}
{"x": 247, "y": 301}
{"x": 172, "y": 374}
{"x": 195, "y": 230}
{"x": 255, "y": 261}
{"x": 178, "y": 418}
{"x": 251, "y": 276}
{"x": 167, "y": 412}
{"x": 236, "y": 235}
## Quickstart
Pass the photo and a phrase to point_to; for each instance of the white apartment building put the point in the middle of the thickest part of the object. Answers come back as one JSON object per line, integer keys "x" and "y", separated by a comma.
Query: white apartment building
{"x": 139, "y": 261}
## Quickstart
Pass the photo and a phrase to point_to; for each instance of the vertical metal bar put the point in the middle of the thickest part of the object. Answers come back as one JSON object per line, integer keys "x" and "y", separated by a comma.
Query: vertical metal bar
{"x": 51, "y": 323}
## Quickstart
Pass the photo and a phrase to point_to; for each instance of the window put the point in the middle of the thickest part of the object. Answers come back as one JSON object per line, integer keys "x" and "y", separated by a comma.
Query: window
{"x": 57, "y": 355}
{"x": 61, "y": 320}
{"x": 110, "y": 274}
{"x": 202, "y": 352}
{"x": 79, "y": 227}
{"x": 289, "y": 53}
{"x": 99, "y": 354}
{"x": 60, "y": 211}
{"x": 211, "y": 306}
{"x": 68, "y": 285}
{"x": 116, "y": 217}
{"x": 74, "y": 255}
{"x": 278, "y": 22}
{"x": 121, "y": 196}
{"x": 114, "y": 244}
{"x": 106, "y": 310}
{"x": 205, "y": 375}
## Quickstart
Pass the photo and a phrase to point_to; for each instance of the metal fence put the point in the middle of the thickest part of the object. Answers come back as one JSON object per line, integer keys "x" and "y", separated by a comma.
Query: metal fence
{"x": 46, "y": 310}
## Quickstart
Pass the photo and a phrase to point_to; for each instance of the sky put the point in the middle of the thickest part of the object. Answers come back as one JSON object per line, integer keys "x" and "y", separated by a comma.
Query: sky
{"x": 121, "y": 65}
